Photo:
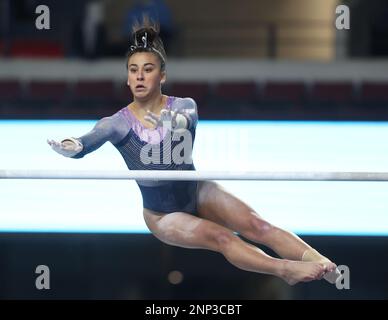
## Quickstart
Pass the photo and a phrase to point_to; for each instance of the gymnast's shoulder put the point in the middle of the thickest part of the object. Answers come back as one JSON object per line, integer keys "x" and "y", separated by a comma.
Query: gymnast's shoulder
{"x": 185, "y": 103}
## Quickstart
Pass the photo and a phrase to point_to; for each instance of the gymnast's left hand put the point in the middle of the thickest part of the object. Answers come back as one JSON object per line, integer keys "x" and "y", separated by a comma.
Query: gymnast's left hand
{"x": 177, "y": 120}
{"x": 68, "y": 147}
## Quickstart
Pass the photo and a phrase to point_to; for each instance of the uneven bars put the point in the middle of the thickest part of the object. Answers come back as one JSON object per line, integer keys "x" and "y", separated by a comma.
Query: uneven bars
{"x": 194, "y": 175}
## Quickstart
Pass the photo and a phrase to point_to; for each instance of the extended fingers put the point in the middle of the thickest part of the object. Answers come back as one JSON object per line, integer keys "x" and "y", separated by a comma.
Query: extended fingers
{"x": 54, "y": 143}
{"x": 152, "y": 115}
{"x": 165, "y": 115}
{"x": 149, "y": 119}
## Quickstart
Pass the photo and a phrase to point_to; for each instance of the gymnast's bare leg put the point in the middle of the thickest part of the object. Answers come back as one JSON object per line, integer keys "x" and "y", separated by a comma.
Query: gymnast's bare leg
{"x": 218, "y": 205}
{"x": 188, "y": 231}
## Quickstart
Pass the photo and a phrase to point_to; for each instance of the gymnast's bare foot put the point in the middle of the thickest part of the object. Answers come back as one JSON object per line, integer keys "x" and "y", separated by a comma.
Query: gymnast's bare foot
{"x": 298, "y": 271}
{"x": 313, "y": 255}
{"x": 332, "y": 272}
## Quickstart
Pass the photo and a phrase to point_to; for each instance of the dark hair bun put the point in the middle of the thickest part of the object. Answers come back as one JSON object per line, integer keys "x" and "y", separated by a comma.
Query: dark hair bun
{"x": 145, "y": 38}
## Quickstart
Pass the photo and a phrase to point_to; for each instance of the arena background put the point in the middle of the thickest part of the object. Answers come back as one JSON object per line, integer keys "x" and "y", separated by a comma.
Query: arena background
{"x": 254, "y": 63}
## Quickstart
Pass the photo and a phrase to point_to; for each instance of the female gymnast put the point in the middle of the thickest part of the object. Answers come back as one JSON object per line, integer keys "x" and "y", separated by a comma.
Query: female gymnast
{"x": 189, "y": 214}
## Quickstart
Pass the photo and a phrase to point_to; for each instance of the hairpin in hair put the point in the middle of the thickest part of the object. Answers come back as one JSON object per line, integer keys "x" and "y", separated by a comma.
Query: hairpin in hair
{"x": 144, "y": 39}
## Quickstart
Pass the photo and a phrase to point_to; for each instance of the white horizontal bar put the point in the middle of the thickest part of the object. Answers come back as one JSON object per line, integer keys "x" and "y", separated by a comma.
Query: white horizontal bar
{"x": 194, "y": 175}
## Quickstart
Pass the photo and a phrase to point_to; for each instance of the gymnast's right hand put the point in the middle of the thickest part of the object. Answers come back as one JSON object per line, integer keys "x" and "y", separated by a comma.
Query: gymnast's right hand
{"x": 68, "y": 147}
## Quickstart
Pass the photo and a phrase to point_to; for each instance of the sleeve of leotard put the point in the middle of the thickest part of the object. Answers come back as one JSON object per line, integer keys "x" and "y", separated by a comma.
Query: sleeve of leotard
{"x": 188, "y": 108}
{"x": 112, "y": 129}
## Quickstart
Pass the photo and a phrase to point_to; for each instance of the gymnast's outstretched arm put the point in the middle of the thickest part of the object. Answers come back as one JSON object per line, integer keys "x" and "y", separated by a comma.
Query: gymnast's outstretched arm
{"x": 111, "y": 129}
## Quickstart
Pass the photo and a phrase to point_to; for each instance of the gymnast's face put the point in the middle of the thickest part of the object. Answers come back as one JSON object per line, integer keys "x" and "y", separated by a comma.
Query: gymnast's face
{"x": 144, "y": 75}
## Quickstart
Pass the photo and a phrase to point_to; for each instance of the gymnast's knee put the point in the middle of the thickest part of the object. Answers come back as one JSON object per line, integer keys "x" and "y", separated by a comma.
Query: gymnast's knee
{"x": 223, "y": 239}
{"x": 259, "y": 229}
